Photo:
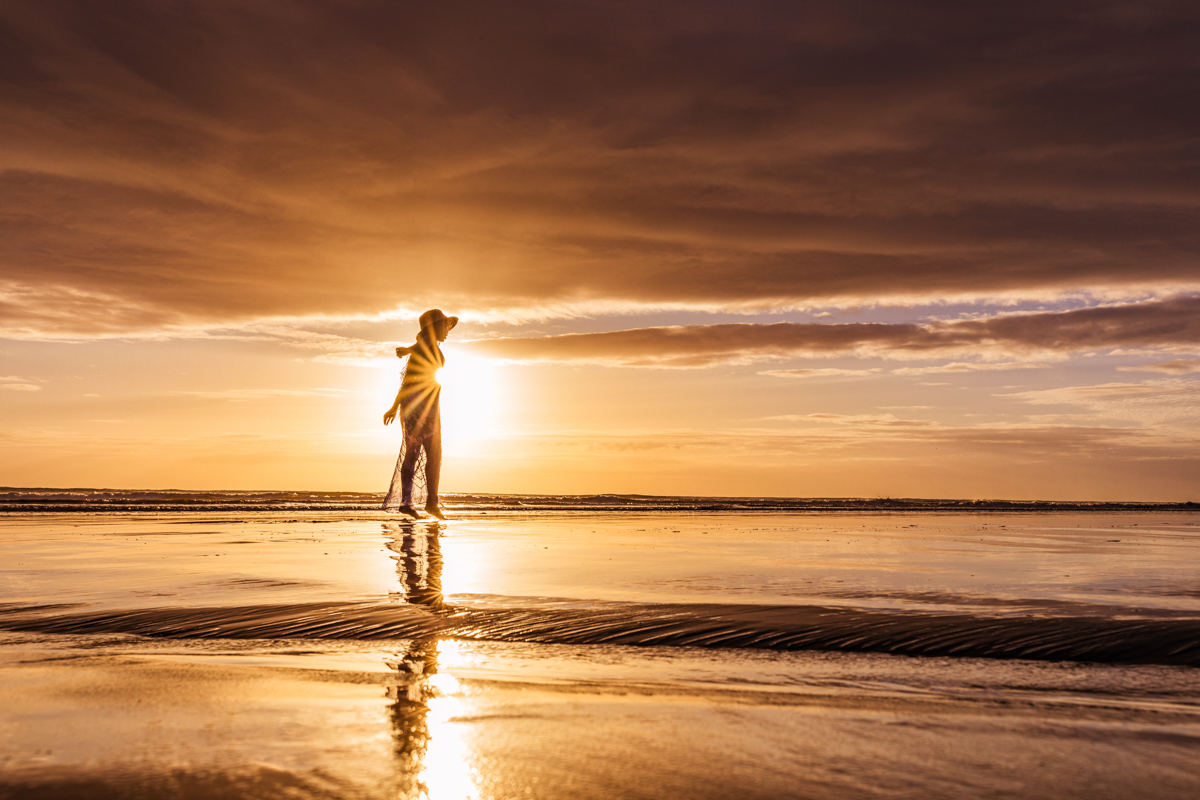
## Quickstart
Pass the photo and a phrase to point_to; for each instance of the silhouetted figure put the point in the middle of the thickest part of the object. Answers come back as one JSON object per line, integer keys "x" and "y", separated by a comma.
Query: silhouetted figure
{"x": 420, "y": 414}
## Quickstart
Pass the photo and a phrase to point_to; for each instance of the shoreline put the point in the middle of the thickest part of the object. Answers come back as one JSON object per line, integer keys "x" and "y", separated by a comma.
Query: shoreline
{"x": 15, "y": 500}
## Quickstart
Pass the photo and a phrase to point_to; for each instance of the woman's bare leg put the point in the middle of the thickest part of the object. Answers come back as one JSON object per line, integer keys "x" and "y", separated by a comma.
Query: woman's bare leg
{"x": 433, "y": 466}
{"x": 408, "y": 469}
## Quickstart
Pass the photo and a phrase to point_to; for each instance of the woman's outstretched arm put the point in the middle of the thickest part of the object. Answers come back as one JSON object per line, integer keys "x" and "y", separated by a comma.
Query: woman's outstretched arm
{"x": 390, "y": 414}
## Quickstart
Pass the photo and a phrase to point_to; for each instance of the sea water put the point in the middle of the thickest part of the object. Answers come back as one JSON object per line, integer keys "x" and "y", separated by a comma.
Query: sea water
{"x": 308, "y": 646}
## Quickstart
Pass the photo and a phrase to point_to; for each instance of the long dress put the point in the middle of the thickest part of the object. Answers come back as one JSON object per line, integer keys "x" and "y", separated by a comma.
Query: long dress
{"x": 420, "y": 414}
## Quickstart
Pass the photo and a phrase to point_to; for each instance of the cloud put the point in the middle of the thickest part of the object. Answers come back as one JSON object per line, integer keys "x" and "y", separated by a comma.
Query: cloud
{"x": 819, "y": 373}
{"x": 331, "y": 348}
{"x": 857, "y": 420}
{"x": 1172, "y": 401}
{"x": 242, "y": 395}
{"x": 964, "y": 366}
{"x": 1167, "y": 322}
{"x": 13, "y": 383}
{"x": 1179, "y": 366}
{"x": 213, "y": 163}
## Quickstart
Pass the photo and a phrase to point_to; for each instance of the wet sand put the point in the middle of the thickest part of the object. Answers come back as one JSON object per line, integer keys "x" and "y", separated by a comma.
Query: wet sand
{"x": 279, "y": 686}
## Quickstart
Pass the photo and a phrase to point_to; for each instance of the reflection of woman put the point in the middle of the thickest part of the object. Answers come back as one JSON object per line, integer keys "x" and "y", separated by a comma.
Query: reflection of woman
{"x": 418, "y": 556}
{"x": 419, "y": 567}
{"x": 417, "y": 401}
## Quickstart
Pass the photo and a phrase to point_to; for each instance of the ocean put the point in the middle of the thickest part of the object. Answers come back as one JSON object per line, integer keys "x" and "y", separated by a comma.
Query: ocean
{"x": 299, "y": 644}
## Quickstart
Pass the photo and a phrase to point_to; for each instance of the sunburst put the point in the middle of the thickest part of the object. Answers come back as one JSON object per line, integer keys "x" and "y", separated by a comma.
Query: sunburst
{"x": 471, "y": 402}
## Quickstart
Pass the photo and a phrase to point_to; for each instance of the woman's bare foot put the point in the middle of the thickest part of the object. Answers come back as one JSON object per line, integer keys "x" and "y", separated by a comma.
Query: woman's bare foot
{"x": 409, "y": 511}
{"x": 433, "y": 510}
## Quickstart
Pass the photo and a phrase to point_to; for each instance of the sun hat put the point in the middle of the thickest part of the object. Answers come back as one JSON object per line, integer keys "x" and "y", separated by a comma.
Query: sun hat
{"x": 434, "y": 316}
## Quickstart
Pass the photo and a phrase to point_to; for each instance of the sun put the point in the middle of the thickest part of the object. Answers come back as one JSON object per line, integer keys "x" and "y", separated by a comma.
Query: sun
{"x": 471, "y": 400}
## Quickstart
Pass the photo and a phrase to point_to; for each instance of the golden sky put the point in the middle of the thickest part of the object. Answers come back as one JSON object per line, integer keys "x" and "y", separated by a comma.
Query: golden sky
{"x": 926, "y": 249}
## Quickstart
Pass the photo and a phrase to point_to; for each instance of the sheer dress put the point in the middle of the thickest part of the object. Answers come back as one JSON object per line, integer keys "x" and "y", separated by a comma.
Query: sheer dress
{"x": 420, "y": 414}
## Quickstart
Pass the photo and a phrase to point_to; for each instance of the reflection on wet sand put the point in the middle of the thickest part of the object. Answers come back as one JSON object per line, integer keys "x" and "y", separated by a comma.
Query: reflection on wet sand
{"x": 431, "y": 759}
{"x": 619, "y": 663}
{"x": 418, "y": 561}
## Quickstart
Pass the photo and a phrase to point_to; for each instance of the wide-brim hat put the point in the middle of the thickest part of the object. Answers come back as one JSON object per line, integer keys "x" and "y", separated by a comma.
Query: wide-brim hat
{"x": 434, "y": 316}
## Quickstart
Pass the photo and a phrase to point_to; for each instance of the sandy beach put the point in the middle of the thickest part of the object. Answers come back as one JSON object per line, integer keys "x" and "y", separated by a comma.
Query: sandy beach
{"x": 600, "y": 654}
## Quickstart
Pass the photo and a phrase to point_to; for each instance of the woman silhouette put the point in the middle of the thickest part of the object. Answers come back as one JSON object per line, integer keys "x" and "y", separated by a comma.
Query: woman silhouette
{"x": 417, "y": 401}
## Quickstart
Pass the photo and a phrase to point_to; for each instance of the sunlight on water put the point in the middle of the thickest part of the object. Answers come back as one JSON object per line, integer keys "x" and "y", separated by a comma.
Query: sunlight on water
{"x": 446, "y": 773}
{"x": 467, "y": 573}
{"x": 450, "y": 654}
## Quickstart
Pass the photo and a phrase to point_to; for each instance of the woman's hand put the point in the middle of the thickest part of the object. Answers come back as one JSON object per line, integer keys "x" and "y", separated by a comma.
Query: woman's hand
{"x": 401, "y": 352}
{"x": 389, "y": 416}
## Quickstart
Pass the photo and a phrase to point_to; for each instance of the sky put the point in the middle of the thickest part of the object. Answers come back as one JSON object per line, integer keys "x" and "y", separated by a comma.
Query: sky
{"x": 812, "y": 249}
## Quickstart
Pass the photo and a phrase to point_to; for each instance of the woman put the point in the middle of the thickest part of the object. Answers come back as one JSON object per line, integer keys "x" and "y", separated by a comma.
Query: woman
{"x": 417, "y": 402}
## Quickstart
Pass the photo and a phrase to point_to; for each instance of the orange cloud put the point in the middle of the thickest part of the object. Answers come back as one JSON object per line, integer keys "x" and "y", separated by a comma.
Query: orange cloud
{"x": 968, "y": 366}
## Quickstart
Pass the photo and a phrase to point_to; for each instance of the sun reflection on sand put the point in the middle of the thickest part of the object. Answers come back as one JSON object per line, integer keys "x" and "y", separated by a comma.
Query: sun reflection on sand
{"x": 433, "y": 758}
{"x": 446, "y": 773}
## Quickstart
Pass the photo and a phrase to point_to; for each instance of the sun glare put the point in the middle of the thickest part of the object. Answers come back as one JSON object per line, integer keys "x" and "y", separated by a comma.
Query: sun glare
{"x": 470, "y": 401}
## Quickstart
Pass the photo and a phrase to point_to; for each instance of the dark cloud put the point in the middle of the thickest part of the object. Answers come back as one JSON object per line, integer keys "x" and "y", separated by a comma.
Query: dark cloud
{"x": 1173, "y": 322}
{"x": 220, "y": 161}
